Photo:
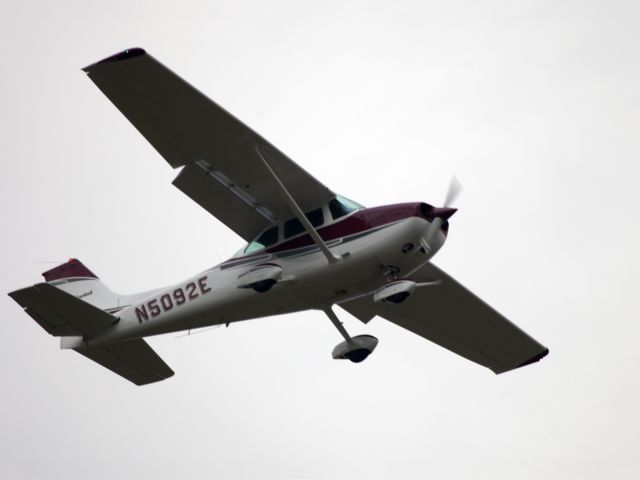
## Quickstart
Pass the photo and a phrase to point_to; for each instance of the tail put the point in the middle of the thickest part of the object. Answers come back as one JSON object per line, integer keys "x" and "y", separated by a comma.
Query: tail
{"x": 75, "y": 305}
{"x": 76, "y": 279}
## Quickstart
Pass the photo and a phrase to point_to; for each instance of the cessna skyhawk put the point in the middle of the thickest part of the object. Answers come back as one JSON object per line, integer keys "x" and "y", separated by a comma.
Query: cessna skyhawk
{"x": 308, "y": 248}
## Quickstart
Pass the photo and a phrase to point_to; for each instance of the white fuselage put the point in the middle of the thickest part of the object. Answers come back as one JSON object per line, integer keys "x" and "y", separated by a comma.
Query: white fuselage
{"x": 368, "y": 260}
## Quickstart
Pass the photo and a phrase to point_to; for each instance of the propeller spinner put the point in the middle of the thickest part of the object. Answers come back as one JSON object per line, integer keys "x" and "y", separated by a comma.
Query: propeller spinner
{"x": 441, "y": 214}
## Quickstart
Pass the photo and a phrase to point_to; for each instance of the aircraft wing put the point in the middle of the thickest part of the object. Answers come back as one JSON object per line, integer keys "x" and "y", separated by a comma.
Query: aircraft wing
{"x": 222, "y": 171}
{"x": 451, "y": 316}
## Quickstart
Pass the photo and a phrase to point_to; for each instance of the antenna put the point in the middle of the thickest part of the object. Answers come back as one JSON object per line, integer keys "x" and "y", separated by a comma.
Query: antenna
{"x": 204, "y": 329}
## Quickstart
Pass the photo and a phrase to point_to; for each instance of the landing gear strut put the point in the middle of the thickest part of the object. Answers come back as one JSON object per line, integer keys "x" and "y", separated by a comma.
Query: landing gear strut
{"x": 356, "y": 348}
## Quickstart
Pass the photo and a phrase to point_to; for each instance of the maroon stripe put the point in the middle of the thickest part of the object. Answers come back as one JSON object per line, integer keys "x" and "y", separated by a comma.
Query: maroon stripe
{"x": 73, "y": 268}
{"x": 358, "y": 222}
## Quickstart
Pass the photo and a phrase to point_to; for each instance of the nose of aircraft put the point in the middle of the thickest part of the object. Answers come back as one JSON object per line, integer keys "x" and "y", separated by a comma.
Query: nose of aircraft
{"x": 444, "y": 213}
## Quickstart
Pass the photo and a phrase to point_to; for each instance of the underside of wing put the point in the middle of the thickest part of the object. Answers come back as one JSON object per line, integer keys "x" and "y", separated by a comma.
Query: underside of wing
{"x": 222, "y": 171}
{"x": 451, "y": 316}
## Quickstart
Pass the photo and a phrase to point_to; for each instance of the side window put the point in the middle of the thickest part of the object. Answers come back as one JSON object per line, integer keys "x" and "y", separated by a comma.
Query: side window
{"x": 293, "y": 227}
{"x": 315, "y": 217}
{"x": 268, "y": 238}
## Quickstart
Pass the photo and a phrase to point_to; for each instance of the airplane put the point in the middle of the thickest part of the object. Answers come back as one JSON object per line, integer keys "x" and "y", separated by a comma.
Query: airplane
{"x": 307, "y": 248}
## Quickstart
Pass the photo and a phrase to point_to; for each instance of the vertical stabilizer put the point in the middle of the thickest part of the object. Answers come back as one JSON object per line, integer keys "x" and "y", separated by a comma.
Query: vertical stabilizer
{"x": 76, "y": 279}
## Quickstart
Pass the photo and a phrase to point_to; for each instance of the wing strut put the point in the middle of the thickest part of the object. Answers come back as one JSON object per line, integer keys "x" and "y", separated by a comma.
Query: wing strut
{"x": 338, "y": 324}
{"x": 298, "y": 212}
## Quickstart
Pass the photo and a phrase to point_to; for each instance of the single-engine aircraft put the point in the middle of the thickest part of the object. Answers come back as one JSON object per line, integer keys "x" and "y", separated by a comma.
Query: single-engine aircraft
{"x": 308, "y": 248}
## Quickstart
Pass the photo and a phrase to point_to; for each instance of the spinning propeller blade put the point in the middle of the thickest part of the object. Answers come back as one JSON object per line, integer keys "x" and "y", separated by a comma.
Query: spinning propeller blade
{"x": 452, "y": 193}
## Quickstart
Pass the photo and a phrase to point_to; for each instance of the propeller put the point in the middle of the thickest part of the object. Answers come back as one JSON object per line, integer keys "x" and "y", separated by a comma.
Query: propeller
{"x": 443, "y": 213}
{"x": 453, "y": 192}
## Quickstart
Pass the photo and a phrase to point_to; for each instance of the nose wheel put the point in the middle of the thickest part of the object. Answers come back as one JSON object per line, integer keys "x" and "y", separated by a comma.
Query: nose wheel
{"x": 357, "y": 348}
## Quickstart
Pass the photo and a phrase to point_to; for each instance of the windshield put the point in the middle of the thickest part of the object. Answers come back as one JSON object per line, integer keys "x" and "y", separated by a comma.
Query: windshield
{"x": 341, "y": 206}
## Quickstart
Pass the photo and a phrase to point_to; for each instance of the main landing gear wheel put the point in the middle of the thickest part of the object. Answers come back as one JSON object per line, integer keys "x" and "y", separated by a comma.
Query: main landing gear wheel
{"x": 356, "y": 349}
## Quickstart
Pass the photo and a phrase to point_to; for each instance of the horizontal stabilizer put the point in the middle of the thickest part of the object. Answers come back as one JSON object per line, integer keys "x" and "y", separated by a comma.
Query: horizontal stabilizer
{"x": 134, "y": 360}
{"x": 60, "y": 313}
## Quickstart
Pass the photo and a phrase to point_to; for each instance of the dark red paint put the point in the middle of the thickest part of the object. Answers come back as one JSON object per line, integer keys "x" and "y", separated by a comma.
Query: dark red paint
{"x": 167, "y": 303}
{"x": 73, "y": 268}
{"x": 358, "y": 222}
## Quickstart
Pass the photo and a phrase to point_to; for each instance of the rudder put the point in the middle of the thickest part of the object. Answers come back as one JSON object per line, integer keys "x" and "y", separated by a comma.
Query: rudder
{"x": 76, "y": 279}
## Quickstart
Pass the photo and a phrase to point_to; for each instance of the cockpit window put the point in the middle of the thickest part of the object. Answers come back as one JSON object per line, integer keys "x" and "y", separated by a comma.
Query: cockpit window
{"x": 294, "y": 226}
{"x": 266, "y": 239}
{"x": 341, "y": 206}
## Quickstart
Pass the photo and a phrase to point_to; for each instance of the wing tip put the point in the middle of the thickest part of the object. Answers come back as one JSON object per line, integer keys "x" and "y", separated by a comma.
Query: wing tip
{"x": 118, "y": 57}
{"x": 155, "y": 379}
{"x": 536, "y": 358}
{"x": 14, "y": 294}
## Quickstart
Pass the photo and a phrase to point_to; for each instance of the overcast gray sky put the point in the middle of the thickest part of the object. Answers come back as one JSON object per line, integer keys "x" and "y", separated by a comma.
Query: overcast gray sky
{"x": 533, "y": 105}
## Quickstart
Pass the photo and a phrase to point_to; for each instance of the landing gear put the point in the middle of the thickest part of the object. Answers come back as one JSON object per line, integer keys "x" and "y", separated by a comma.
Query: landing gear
{"x": 357, "y": 348}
